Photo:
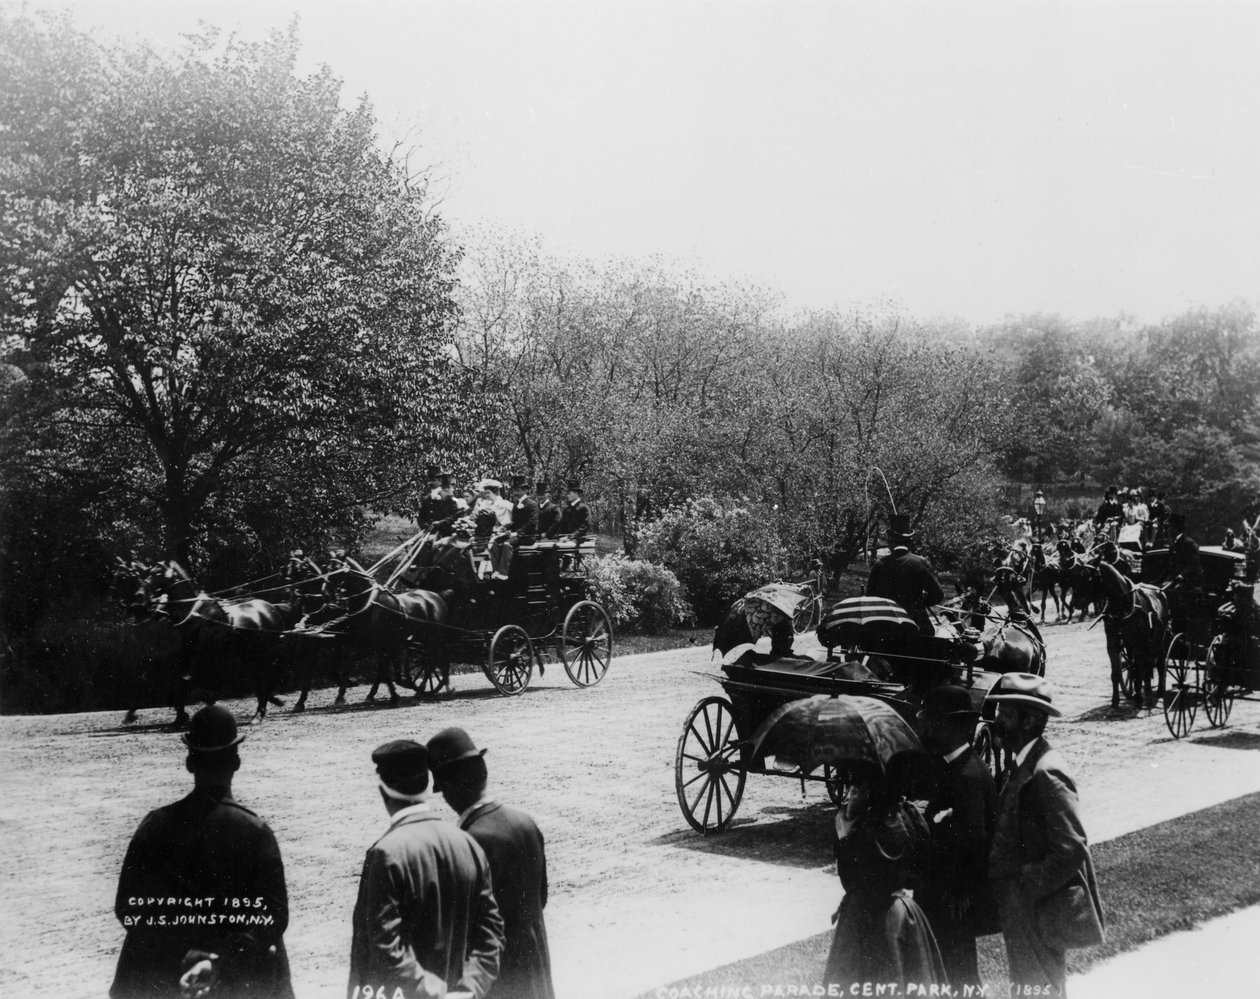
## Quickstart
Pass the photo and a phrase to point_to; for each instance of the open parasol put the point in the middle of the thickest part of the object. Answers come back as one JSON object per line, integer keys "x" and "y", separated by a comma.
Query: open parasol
{"x": 753, "y": 615}
{"x": 856, "y": 616}
{"x": 835, "y": 730}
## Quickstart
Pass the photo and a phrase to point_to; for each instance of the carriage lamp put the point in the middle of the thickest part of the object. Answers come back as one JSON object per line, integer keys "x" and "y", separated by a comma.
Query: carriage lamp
{"x": 1039, "y": 505}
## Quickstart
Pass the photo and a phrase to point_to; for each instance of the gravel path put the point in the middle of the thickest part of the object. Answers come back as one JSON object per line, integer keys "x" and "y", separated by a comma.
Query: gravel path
{"x": 637, "y": 898}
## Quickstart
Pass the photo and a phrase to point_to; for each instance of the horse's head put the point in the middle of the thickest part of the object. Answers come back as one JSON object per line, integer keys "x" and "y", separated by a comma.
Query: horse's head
{"x": 130, "y": 583}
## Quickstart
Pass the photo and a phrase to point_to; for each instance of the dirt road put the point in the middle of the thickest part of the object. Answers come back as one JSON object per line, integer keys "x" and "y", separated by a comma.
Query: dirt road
{"x": 637, "y": 898}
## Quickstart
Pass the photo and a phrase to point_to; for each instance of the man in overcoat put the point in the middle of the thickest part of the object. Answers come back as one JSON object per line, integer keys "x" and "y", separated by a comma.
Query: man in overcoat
{"x": 425, "y": 921}
{"x": 1040, "y": 865}
{"x": 905, "y": 578}
{"x": 548, "y": 512}
{"x": 575, "y": 515}
{"x": 518, "y": 862}
{"x": 961, "y": 814}
{"x": 202, "y": 892}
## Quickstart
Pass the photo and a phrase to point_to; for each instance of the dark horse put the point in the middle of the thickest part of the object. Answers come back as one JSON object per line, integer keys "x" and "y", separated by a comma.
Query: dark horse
{"x": 1043, "y": 576}
{"x": 1013, "y": 644}
{"x": 1078, "y": 583}
{"x": 212, "y": 631}
{"x": 384, "y": 624}
{"x": 1136, "y": 623}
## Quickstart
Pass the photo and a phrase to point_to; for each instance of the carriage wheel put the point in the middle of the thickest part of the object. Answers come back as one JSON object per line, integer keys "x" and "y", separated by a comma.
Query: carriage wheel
{"x": 807, "y": 616}
{"x": 1181, "y": 694}
{"x": 982, "y": 745}
{"x": 422, "y": 674}
{"x": 1128, "y": 682}
{"x": 836, "y": 785}
{"x": 586, "y": 643}
{"x": 511, "y": 661}
{"x": 1218, "y": 695}
{"x": 706, "y": 766}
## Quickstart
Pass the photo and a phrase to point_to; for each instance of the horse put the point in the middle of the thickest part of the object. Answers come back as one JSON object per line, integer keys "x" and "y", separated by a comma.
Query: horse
{"x": 381, "y": 622}
{"x": 1077, "y": 583}
{"x": 1136, "y": 623}
{"x": 1012, "y": 644}
{"x": 148, "y": 635}
{"x": 1044, "y": 576}
{"x": 211, "y": 630}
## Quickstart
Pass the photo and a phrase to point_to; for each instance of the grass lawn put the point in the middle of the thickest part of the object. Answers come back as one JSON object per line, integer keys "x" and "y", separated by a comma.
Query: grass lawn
{"x": 1167, "y": 877}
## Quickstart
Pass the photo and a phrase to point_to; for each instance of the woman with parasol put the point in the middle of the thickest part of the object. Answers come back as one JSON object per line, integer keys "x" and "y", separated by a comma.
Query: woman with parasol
{"x": 881, "y": 934}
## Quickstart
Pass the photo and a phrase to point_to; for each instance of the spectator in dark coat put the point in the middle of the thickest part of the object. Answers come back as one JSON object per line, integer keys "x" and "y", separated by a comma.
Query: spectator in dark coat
{"x": 574, "y": 517}
{"x": 1040, "y": 865}
{"x": 425, "y": 921}
{"x": 214, "y": 867}
{"x": 518, "y": 863}
{"x": 905, "y": 578}
{"x": 548, "y": 512}
{"x": 960, "y": 815}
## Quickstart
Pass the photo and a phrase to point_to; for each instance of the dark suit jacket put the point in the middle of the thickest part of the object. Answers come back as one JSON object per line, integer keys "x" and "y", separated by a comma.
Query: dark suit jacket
{"x": 518, "y": 864}
{"x": 203, "y": 847}
{"x": 957, "y": 863}
{"x": 1040, "y": 854}
{"x": 525, "y": 519}
{"x": 425, "y": 916}
{"x": 1185, "y": 559}
{"x": 908, "y": 580}
{"x": 548, "y": 519}
{"x": 574, "y": 518}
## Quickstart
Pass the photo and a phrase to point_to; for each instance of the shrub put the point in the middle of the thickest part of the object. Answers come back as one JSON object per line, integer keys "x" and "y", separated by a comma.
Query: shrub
{"x": 718, "y": 552}
{"x": 638, "y": 596}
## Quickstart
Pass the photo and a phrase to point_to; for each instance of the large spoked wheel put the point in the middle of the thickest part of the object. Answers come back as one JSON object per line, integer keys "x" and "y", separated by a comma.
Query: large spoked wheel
{"x": 1181, "y": 697}
{"x": 837, "y": 786}
{"x": 511, "y": 661}
{"x": 807, "y": 616}
{"x": 421, "y": 673}
{"x": 1218, "y": 695}
{"x": 982, "y": 745}
{"x": 586, "y": 643}
{"x": 708, "y": 775}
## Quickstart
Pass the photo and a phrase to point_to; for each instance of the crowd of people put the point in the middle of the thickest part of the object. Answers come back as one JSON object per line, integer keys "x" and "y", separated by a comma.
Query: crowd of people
{"x": 444, "y": 907}
{"x": 933, "y": 857}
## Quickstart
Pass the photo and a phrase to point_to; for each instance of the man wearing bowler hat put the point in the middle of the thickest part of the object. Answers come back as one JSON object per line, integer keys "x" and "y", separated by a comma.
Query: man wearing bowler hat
{"x": 425, "y": 921}
{"x": 518, "y": 863}
{"x": 905, "y": 578}
{"x": 202, "y": 893}
{"x": 1040, "y": 865}
{"x": 961, "y": 813}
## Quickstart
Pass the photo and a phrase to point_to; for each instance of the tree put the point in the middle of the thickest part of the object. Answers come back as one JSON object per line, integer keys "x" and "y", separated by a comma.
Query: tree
{"x": 227, "y": 300}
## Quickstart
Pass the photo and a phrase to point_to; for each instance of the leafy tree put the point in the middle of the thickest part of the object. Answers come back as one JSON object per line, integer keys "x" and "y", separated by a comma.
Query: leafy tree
{"x": 228, "y": 302}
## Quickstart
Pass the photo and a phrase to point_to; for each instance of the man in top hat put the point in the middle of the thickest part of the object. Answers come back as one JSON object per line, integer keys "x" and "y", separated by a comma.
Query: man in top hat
{"x": 1040, "y": 865}
{"x": 961, "y": 814}
{"x": 425, "y": 921}
{"x": 522, "y": 529}
{"x": 548, "y": 512}
{"x": 905, "y": 578}
{"x": 202, "y": 892}
{"x": 518, "y": 862}
{"x": 574, "y": 516}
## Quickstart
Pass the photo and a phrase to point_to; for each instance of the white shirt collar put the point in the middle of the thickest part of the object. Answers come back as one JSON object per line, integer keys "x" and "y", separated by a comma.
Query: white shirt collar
{"x": 1022, "y": 755}
{"x": 479, "y": 803}
{"x": 951, "y": 757}
{"x": 403, "y": 813}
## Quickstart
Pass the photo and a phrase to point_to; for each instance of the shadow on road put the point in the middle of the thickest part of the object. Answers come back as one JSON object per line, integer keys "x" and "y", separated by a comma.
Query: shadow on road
{"x": 794, "y": 837}
{"x": 1229, "y": 740}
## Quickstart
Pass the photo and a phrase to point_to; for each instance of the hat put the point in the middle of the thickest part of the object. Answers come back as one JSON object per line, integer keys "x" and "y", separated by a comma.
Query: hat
{"x": 444, "y": 478}
{"x": 1025, "y": 689}
{"x": 212, "y": 728}
{"x": 403, "y": 765}
{"x": 573, "y": 486}
{"x": 450, "y": 746}
{"x": 489, "y": 484}
{"x": 948, "y": 701}
{"x": 1177, "y": 521}
{"x": 899, "y": 526}
{"x": 520, "y": 481}
{"x": 541, "y": 487}
{"x": 432, "y": 472}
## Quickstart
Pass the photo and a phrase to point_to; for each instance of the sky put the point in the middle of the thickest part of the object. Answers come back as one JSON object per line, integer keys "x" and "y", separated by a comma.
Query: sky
{"x": 964, "y": 160}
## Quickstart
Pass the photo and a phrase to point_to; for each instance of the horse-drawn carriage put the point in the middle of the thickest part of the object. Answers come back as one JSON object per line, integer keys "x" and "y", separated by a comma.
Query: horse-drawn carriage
{"x": 507, "y": 625}
{"x": 784, "y": 716}
{"x": 1214, "y": 653}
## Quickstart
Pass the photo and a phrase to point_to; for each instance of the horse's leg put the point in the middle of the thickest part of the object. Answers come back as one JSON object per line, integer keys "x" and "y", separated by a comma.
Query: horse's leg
{"x": 393, "y": 669}
{"x": 1113, "y": 654}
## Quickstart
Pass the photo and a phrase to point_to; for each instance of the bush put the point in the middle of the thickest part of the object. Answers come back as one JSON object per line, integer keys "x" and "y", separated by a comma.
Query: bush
{"x": 717, "y": 552}
{"x": 639, "y": 596}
